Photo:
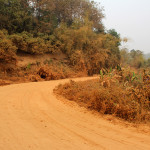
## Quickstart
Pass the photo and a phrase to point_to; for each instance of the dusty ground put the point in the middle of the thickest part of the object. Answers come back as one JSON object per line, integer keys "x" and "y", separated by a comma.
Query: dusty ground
{"x": 32, "y": 118}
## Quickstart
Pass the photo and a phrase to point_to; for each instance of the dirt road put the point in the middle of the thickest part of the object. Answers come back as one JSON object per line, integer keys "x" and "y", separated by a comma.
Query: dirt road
{"x": 32, "y": 118}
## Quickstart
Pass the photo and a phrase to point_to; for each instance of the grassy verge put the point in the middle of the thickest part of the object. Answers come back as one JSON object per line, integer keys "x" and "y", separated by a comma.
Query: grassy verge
{"x": 124, "y": 94}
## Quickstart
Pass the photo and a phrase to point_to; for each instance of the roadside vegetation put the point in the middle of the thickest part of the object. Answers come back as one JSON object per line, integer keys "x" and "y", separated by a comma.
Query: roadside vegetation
{"x": 71, "y": 27}
{"x": 119, "y": 92}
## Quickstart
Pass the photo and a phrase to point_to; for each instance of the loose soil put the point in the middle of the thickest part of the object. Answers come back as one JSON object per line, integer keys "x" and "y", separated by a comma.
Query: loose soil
{"x": 32, "y": 118}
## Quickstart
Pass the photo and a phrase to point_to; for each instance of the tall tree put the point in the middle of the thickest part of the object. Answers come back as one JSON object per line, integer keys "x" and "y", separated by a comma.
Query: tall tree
{"x": 137, "y": 58}
{"x": 70, "y": 10}
{"x": 15, "y": 15}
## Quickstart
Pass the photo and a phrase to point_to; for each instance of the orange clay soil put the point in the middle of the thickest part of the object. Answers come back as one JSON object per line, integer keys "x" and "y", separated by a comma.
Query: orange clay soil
{"x": 32, "y": 118}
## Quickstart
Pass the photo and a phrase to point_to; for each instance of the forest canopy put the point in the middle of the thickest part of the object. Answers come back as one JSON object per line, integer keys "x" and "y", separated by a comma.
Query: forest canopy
{"x": 73, "y": 27}
{"x": 45, "y": 15}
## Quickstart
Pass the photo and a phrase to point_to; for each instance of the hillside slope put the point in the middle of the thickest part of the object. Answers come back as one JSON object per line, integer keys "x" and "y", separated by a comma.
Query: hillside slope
{"x": 32, "y": 118}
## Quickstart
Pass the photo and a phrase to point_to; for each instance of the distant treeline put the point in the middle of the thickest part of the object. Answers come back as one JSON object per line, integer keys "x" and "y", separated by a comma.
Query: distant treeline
{"x": 134, "y": 58}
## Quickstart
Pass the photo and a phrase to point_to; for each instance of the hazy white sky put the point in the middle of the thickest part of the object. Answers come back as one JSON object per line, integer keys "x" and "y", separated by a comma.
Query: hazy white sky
{"x": 130, "y": 18}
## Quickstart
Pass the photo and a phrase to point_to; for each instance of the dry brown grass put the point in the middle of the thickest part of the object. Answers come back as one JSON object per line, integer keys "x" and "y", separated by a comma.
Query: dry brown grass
{"x": 4, "y": 82}
{"x": 129, "y": 100}
{"x": 41, "y": 71}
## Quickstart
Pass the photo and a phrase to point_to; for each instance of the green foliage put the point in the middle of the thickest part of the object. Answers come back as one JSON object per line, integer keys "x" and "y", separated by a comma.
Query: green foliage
{"x": 73, "y": 27}
{"x": 137, "y": 58}
{"x": 134, "y": 77}
{"x": 94, "y": 50}
{"x": 19, "y": 41}
{"x": 34, "y": 45}
{"x": 28, "y": 66}
{"x": 134, "y": 58}
{"x": 118, "y": 67}
{"x": 114, "y": 33}
{"x": 15, "y": 15}
{"x": 101, "y": 73}
{"x": 7, "y": 52}
{"x": 44, "y": 16}
{"x": 6, "y": 45}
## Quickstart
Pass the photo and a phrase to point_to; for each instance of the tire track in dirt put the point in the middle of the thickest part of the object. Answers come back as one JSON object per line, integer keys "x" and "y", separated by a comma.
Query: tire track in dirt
{"x": 32, "y": 118}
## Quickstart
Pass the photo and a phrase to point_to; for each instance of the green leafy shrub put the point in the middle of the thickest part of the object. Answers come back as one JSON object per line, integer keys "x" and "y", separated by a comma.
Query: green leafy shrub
{"x": 25, "y": 42}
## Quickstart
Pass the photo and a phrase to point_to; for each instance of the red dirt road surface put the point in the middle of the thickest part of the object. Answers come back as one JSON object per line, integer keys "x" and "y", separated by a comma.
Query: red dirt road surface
{"x": 32, "y": 118}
